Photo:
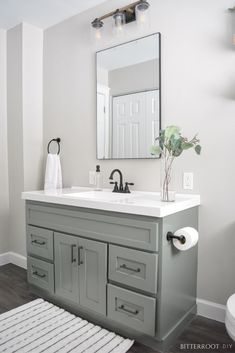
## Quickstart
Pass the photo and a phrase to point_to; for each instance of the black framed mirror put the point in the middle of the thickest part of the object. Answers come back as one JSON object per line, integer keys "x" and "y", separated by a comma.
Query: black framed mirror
{"x": 128, "y": 98}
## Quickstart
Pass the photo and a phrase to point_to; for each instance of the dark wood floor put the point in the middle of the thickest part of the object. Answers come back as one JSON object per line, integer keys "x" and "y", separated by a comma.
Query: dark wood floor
{"x": 14, "y": 291}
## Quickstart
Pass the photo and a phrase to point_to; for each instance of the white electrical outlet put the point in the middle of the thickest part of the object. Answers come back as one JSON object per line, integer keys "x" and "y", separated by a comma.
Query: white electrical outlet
{"x": 188, "y": 181}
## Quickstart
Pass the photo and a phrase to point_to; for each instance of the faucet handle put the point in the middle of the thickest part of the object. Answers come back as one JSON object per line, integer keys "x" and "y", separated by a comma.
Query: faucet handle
{"x": 115, "y": 189}
{"x": 127, "y": 190}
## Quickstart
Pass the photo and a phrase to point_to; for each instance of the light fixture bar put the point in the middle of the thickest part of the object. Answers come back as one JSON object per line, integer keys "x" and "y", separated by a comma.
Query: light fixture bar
{"x": 232, "y": 9}
{"x": 129, "y": 8}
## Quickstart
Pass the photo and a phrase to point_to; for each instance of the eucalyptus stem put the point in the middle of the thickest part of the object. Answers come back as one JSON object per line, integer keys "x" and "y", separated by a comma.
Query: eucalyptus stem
{"x": 172, "y": 144}
{"x": 168, "y": 160}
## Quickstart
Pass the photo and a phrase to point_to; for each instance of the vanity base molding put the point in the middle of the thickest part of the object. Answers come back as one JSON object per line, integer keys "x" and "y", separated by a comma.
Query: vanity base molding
{"x": 116, "y": 270}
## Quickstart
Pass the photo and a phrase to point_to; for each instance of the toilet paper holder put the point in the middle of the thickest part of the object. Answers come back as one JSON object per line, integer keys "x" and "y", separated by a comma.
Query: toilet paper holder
{"x": 170, "y": 236}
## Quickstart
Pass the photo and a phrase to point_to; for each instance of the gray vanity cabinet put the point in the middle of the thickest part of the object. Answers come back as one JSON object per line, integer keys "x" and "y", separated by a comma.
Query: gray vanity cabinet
{"x": 116, "y": 270}
{"x": 66, "y": 267}
{"x": 93, "y": 275}
{"x": 81, "y": 271}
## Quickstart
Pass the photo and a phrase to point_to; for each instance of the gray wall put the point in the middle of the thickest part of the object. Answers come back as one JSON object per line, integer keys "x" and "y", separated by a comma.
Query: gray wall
{"x": 4, "y": 196}
{"x": 134, "y": 78}
{"x": 197, "y": 94}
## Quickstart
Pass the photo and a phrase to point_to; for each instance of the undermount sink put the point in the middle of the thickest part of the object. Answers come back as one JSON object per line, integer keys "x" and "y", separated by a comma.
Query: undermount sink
{"x": 100, "y": 195}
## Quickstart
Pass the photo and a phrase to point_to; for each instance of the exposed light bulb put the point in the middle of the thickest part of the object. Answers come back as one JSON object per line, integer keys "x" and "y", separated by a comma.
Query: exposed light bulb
{"x": 119, "y": 22}
{"x": 142, "y": 17}
{"x": 119, "y": 18}
{"x": 98, "y": 34}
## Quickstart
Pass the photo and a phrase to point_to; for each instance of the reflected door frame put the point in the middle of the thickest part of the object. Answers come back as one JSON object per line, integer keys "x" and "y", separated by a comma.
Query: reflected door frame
{"x": 105, "y": 127}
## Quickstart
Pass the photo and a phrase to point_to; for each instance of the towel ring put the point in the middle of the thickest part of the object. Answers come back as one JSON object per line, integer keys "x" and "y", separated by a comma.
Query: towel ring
{"x": 58, "y": 142}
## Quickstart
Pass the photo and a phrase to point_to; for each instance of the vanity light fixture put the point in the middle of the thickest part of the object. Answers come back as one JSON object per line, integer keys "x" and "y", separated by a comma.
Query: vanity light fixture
{"x": 143, "y": 5}
{"x": 232, "y": 10}
{"x": 142, "y": 13}
{"x": 97, "y": 25}
{"x": 136, "y": 11}
{"x": 119, "y": 18}
{"x": 119, "y": 21}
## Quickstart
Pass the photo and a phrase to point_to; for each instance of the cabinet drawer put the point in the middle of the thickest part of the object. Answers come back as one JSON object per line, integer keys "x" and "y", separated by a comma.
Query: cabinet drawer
{"x": 40, "y": 242}
{"x": 131, "y": 309}
{"x": 41, "y": 274}
{"x": 134, "y": 268}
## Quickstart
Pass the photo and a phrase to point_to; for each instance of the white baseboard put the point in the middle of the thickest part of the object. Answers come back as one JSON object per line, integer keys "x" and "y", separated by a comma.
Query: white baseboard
{"x": 211, "y": 310}
{"x": 205, "y": 308}
{"x": 13, "y": 258}
{"x": 4, "y": 259}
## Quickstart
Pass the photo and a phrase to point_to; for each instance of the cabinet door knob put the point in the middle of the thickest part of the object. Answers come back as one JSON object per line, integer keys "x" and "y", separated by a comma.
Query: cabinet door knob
{"x": 80, "y": 262}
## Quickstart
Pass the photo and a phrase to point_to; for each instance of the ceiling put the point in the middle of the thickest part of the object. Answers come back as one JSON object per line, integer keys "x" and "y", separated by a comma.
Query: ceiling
{"x": 41, "y": 13}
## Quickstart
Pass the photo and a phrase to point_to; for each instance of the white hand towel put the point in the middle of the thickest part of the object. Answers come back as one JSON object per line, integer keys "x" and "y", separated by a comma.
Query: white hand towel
{"x": 53, "y": 175}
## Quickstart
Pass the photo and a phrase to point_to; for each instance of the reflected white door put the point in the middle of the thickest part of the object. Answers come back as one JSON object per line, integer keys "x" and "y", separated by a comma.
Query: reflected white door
{"x": 129, "y": 118}
{"x": 152, "y": 119}
{"x": 135, "y": 124}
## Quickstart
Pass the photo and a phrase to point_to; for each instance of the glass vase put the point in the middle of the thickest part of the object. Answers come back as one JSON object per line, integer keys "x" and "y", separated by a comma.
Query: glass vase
{"x": 167, "y": 179}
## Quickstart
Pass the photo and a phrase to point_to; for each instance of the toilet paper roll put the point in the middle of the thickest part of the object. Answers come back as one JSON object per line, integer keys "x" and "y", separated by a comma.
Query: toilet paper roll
{"x": 191, "y": 236}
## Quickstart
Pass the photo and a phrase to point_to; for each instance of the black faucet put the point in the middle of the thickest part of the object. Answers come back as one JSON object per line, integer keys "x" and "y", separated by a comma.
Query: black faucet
{"x": 120, "y": 187}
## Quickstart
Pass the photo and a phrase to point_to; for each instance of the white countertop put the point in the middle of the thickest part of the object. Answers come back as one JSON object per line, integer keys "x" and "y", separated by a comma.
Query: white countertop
{"x": 138, "y": 202}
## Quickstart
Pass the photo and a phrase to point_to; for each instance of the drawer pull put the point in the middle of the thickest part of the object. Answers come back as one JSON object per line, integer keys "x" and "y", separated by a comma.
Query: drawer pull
{"x": 79, "y": 255}
{"x": 36, "y": 273}
{"x": 38, "y": 242}
{"x": 135, "y": 312}
{"x": 72, "y": 258}
{"x": 130, "y": 269}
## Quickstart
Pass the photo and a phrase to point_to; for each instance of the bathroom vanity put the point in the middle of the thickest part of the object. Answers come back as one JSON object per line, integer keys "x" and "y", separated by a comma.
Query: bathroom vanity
{"x": 105, "y": 256}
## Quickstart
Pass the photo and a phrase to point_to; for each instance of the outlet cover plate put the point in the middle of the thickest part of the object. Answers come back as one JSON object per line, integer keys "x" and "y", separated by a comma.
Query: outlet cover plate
{"x": 188, "y": 181}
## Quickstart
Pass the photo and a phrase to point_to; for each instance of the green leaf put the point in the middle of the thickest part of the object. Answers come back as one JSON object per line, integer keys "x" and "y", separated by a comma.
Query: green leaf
{"x": 175, "y": 145}
{"x": 198, "y": 149}
{"x": 155, "y": 150}
{"x": 187, "y": 145}
{"x": 177, "y": 148}
{"x": 172, "y": 131}
{"x": 177, "y": 153}
{"x": 161, "y": 138}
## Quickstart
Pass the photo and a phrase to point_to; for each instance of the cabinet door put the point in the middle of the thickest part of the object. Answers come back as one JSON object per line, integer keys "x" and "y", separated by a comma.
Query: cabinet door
{"x": 66, "y": 267}
{"x": 93, "y": 275}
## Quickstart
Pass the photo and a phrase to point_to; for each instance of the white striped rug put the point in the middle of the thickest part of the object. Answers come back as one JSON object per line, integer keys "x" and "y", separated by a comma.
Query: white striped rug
{"x": 40, "y": 326}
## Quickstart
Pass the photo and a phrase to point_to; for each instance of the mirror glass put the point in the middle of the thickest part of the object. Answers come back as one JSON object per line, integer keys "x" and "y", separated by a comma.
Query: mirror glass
{"x": 128, "y": 99}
